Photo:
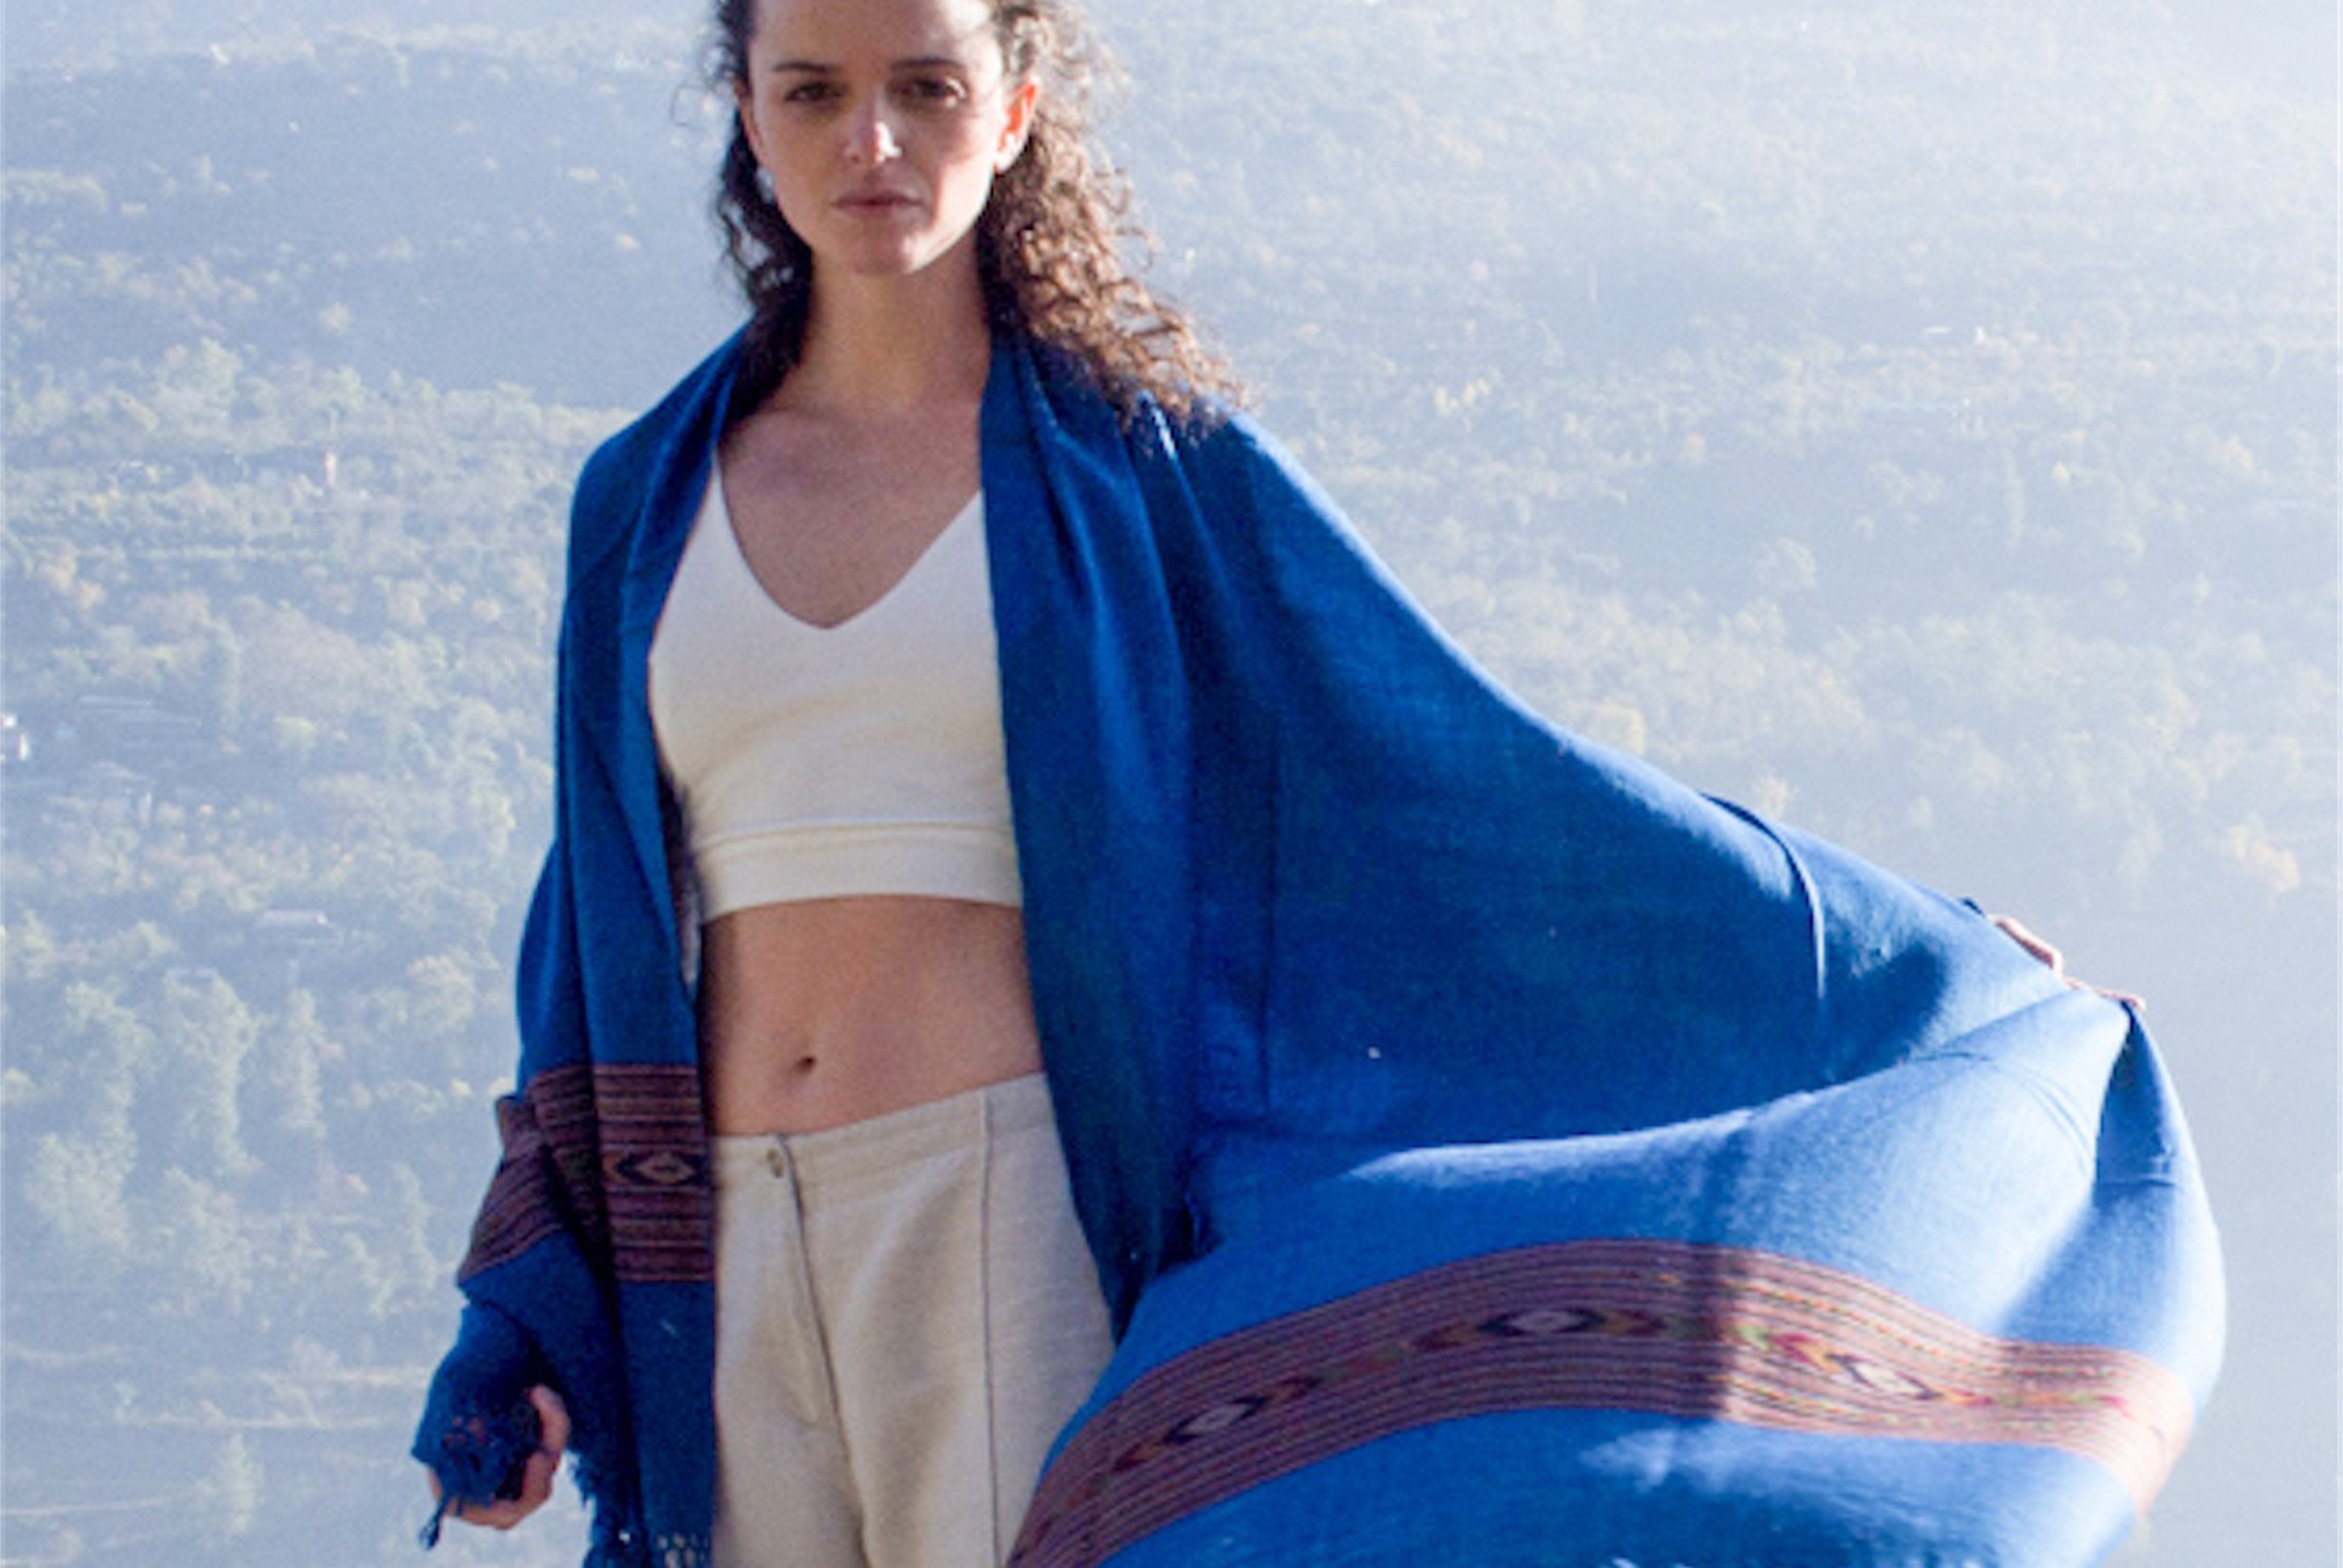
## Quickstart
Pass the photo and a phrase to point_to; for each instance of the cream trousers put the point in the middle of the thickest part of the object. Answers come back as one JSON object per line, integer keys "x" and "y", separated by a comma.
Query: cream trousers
{"x": 906, "y": 1313}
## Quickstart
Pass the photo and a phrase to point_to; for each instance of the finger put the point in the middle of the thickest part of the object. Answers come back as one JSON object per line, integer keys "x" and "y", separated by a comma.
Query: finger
{"x": 536, "y": 1483}
{"x": 552, "y": 1420}
{"x": 2024, "y": 936}
{"x": 502, "y": 1514}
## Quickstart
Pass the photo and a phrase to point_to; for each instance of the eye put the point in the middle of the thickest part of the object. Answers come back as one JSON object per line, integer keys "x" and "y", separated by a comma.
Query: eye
{"x": 932, "y": 90}
{"x": 813, "y": 90}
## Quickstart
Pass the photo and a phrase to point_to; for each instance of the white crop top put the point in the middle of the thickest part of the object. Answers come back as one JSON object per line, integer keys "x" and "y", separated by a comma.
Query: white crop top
{"x": 816, "y": 762}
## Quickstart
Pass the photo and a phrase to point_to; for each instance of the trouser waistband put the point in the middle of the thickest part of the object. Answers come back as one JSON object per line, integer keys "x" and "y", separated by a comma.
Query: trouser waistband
{"x": 876, "y": 1146}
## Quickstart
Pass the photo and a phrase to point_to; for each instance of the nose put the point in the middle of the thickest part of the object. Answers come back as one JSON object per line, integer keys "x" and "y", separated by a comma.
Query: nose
{"x": 870, "y": 137}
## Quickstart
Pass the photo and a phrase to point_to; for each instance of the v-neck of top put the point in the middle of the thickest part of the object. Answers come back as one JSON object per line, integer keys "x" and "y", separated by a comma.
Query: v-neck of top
{"x": 720, "y": 512}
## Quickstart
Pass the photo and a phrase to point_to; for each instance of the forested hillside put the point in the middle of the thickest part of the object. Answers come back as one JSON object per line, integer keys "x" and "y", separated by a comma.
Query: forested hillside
{"x": 1914, "y": 420}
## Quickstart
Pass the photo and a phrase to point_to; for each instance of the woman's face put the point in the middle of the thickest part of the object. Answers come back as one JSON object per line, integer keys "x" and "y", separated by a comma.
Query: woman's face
{"x": 881, "y": 125}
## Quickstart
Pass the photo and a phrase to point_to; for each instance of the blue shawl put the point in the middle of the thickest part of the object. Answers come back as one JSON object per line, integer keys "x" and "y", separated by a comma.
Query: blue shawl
{"x": 1493, "y": 1151}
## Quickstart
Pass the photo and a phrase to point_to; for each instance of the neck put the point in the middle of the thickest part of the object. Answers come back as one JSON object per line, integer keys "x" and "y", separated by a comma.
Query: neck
{"x": 880, "y": 346}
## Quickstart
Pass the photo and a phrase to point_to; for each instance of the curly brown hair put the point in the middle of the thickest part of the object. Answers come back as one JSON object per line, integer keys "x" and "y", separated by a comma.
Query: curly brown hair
{"x": 1050, "y": 243}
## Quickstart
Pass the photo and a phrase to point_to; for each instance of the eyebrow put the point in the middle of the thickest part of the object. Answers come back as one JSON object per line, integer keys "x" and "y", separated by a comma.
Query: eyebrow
{"x": 916, "y": 62}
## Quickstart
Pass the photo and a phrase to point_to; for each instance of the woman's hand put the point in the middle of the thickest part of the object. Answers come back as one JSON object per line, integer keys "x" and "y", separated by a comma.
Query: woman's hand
{"x": 537, "y": 1473}
{"x": 2017, "y": 932}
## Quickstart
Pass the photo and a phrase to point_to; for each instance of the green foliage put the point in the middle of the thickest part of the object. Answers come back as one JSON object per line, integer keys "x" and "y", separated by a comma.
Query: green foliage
{"x": 279, "y": 637}
{"x": 233, "y": 1497}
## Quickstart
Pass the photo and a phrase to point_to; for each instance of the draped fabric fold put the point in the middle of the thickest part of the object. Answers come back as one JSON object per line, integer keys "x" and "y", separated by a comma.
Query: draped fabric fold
{"x": 1493, "y": 1151}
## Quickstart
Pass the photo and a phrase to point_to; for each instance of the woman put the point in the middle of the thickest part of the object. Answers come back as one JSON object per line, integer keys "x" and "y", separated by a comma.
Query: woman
{"x": 953, "y": 691}
{"x": 861, "y": 953}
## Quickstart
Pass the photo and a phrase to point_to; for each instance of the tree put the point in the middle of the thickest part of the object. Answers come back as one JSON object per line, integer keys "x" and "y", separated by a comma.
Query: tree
{"x": 207, "y": 1037}
{"x": 76, "y": 1188}
{"x": 232, "y": 1494}
{"x": 283, "y": 1089}
{"x": 198, "y": 1235}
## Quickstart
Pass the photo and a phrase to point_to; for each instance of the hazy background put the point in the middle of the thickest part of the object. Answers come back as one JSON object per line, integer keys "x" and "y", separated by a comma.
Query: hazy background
{"x": 1916, "y": 419}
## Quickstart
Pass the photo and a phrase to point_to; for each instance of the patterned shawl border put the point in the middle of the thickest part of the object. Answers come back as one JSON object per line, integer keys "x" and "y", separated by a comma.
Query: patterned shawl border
{"x": 1705, "y": 1333}
{"x": 616, "y": 1157}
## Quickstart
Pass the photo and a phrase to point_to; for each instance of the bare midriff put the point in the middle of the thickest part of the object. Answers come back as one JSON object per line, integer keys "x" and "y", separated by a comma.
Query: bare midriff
{"x": 816, "y": 1014}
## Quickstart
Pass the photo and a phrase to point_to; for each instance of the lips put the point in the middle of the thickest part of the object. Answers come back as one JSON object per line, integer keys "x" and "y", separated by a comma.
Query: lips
{"x": 876, "y": 203}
